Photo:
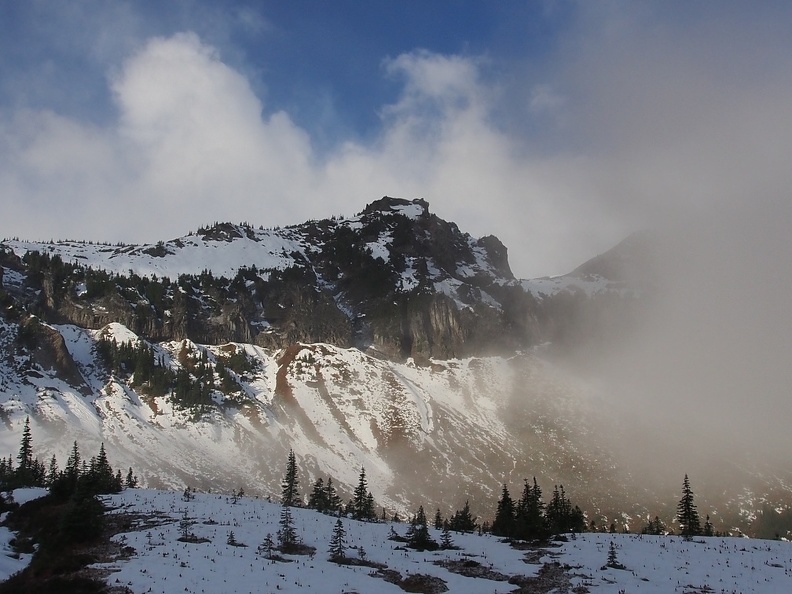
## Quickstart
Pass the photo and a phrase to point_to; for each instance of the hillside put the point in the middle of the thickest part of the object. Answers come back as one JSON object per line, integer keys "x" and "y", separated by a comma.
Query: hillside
{"x": 152, "y": 558}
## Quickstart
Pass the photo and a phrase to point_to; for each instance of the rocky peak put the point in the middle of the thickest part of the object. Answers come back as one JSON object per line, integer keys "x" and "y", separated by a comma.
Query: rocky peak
{"x": 387, "y": 204}
{"x": 394, "y": 278}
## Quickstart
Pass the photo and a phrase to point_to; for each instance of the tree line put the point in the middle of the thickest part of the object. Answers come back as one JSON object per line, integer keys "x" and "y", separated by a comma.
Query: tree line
{"x": 189, "y": 387}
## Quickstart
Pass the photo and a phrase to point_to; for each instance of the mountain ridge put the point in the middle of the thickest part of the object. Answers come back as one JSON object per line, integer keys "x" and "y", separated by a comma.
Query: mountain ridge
{"x": 389, "y": 340}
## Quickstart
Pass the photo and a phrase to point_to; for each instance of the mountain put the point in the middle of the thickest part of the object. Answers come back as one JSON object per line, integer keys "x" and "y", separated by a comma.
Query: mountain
{"x": 390, "y": 340}
{"x": 395, "y": 279}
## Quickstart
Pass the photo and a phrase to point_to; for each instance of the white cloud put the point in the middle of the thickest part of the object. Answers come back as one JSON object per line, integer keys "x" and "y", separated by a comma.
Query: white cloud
{"x": 648, "y": 134}
{"x": 193, "y": 144}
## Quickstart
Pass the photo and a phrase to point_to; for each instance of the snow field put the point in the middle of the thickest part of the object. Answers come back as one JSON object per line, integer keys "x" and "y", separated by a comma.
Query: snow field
{"x": 164, "y": 564}
{"x": 654, "y": 564}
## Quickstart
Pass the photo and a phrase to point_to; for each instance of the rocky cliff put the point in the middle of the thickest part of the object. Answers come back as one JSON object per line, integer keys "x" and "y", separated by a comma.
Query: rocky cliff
{"x": 395, "y": 279}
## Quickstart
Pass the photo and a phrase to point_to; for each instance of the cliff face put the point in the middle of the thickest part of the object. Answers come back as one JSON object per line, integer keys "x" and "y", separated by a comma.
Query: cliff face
{"x": 395, "y": 279}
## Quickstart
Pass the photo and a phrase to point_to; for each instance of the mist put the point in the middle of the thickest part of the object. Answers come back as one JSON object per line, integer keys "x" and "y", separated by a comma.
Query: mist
{"x": 700, "y": 382}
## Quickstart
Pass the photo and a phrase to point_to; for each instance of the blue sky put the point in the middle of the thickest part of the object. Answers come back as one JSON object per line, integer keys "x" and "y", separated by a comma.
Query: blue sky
{"x": 559, "y": 126}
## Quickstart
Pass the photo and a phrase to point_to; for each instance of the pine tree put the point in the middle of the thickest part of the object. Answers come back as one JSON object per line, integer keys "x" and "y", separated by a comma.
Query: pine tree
{"x": 612, "y": 559}
{"x": 438, "y": 520}
{"x": 317, "y": 499}
{"x": 290, "y": 496}
{"x": 184, "y": 527}
{"x": 102, "y": 474}
{"x": 445, "y": 539}
{"x": 73, "y": 464}
{"x": 555, "y": 512}
{"x": 52, "y": 471}
{"x": 529, "y": 518}
{"x": 687, "y": 516}
{"x": 503, "y": 525}
{"x": 333, "y": 501}
{"x": 463, "y": 520}
{"x": 267, "y": 546}
{"x": 24, "y": 470}
{"x": 370, "y": 511}
{"x": 338, "y": 542}
{"x": 708, "y": 528}
{"x": 287, "y": 536}
{"x": 418, "y": 534}
{"x": 131, "y": 480}
{"x": 654, "y": 527}
{"x": 362, "y": 501}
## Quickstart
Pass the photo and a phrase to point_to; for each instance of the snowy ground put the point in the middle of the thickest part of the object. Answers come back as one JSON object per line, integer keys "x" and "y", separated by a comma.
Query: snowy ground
{"x": 161, "y": 563}
{"x": 10, "y": 561}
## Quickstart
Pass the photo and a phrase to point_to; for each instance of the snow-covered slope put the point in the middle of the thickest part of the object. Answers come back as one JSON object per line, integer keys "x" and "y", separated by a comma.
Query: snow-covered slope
{"x": 438, "y": 433}
{"x": 652, "y": 564}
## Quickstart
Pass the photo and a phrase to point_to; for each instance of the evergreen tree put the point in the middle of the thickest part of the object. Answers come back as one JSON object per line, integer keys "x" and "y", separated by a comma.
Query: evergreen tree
{"x": 612, "y": 560}
{"x": 708, "y": 528}
{"x": 463, "y": 520}
{"x": 287, "y": 536}
{"x": 654, "y": 527}
{"x": 318, "y": 498}
{"x": 503, "y": 525}
{"x": 103, "y": 474}
{"x": 338, "y": 542}
{"x": 438, "y": 520}
{"x": 52, "y": 471}
{"x": 73, "y": 464}
{"x": 687, "y": 516}
{"x": 333, "y": 501}
{"x": 555, "y": 511}
{"x": 362, "y": 504}
{"x": 529, "y": 518}
{"x": 184, "y": 526}
{"x": 131, "y": 480}
{"x": 67, "y": 481}
{"x": 446, "y": 542}
{"x": 267, "y": 546}
{"x": 370, "y": 511}
{"x": 418, "y": 534}
{"x": 24, "y": 470}
{"x": 290, "y": 496}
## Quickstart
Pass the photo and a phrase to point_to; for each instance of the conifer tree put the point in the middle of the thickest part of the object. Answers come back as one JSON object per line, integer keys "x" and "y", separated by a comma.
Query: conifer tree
{"x": 362, "y": 507}
{"x": 290, "y": 496}
{"x": 338, "y": 542}
{"x": 463, "y": 520}
{"x": 529, "y": 518}
{"x": 370, "y": 512}
{"x": 687, "y": 515}
{"x": 503, "y": 525}
{"x": 52, "y": 471}
{"x": 287, "y": 536}
{"x": 438, "y": 520}
{"x": 317, "y": 499}
{"x": 25, "y": 471}
{"x": 184, "y": 526}
{"x": 267, "y": 546}
{"x": 654, "y": 527}
{"x": 708, "y": 528}
{"x": 418, "y": 534}
{"x": 333, "y": 501}
{"x": 446, "y": 542}
{"x": 612, "y": 559}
